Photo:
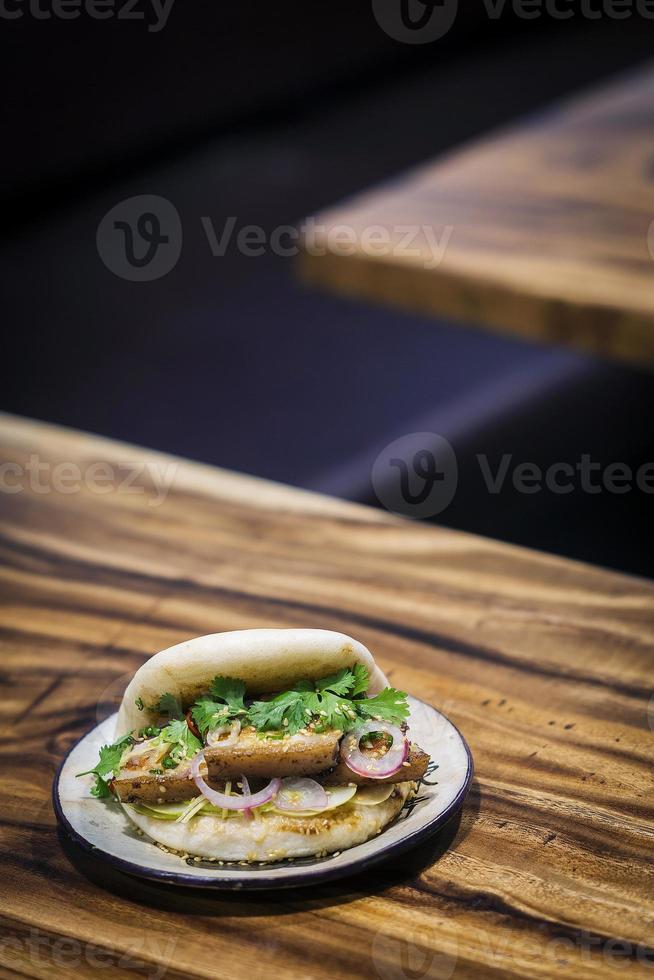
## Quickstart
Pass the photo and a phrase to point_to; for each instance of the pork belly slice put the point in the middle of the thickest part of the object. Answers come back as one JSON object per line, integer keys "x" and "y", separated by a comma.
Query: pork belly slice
{"x": 293, "y": 755}
{"x": 252, "y": 756}
{"x": 414, "y": 767}
{"x": 173, "y": 786}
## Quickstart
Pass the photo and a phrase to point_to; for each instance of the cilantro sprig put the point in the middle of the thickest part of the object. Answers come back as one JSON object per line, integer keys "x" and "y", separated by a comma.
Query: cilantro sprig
{"x": 336, "y": 701}
{"x": 183, "y": 741}
{"x": 183, "y": 745}
{"x": 224, "y": 703}
{"x": 108, "y": 764}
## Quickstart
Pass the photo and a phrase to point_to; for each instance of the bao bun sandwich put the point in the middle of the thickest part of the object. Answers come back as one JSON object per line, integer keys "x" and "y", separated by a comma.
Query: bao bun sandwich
{"x": 260, "y": 745}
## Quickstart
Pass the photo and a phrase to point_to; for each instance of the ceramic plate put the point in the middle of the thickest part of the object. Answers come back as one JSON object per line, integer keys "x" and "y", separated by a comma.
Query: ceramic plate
{"x": 101, "y": 826}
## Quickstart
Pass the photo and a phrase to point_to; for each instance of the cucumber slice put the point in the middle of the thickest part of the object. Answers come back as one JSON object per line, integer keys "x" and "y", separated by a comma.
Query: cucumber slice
{"x": 336, "y": 796}
{"x": 372, "y": 795}
{"x": 160, "y": 811}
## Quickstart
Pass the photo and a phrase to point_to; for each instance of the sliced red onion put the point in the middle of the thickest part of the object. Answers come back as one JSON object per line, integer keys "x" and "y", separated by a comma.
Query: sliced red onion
{"x": 245, "y": 786}
{"x": 247, "y": 801}
{"x": 371, "y": 766}
{"x": 214, "y": 737}
{"x": 300, "y": 793}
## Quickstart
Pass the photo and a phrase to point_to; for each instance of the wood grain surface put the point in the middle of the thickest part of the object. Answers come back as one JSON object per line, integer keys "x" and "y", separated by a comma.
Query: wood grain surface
{"x": 548, "y": 230}
{"x": 545, "y": 665}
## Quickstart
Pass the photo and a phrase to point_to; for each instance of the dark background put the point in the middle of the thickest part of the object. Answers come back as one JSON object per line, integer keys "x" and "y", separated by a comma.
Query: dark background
{"x": 269, "y": 112}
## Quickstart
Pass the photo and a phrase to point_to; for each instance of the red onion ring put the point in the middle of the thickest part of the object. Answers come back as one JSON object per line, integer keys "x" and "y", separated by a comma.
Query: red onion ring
{"x": 213, "y": 738}
{"x": 245, "y": 802}
{"x": 300, "y": 793}
{"x": 369, "y": 765}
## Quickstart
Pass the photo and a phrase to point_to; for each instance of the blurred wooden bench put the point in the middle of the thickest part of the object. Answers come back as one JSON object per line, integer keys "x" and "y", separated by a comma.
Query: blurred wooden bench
{"x": 540, "y": 231}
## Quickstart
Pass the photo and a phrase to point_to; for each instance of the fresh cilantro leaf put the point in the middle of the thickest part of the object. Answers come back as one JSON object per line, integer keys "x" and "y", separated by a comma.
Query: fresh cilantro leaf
{"x": 361, "y": 680}
{"x": 100, "y": 788}
{"x": 339, "y": 683}
{"x": 296, "y": 715}
{"x": 321, "y": 703}
{"x": 227, "y": 703}
{"x": 347, "y": 681}
{"x": 332, "y": 712}
{"x": 184, "y": 742}
{"x": 108, "y": 763}
{"x": 208, "y": 714}
{"x": 271, "y": 715}
{"x": 229, "y": 690}
{"x": 389, "y": 705}
{"x": 169, "y": 705}
{"x": 332, "y": 702}
{"x": 139, "y": 704}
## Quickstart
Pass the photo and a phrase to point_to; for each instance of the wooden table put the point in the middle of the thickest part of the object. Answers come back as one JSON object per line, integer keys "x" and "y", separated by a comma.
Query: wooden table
{"x": 546, "y": 666}
{"x": 541, "y": 231}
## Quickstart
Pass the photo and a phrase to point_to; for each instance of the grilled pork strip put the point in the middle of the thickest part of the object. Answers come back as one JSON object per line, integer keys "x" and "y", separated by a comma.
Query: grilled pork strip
{"x": 292, "y": 755}
{"x": 414, "y": 767}
{"x": 134, "y": 786}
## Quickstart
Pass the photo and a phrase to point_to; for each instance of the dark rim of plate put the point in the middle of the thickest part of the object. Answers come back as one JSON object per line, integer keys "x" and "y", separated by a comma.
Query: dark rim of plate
{"x": 294, "y": 875}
